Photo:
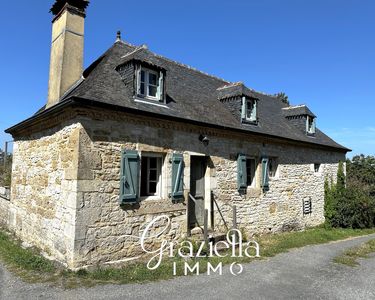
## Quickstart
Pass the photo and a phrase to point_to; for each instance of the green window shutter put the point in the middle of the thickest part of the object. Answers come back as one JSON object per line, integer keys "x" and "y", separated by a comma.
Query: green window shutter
{"x": 265, "y": 163}
{"x": 241, "y": 172}
{"x": 243, "y": 109}
{"x": 253, "y": 116}
{"x": 177, "y": 177}
{"x": 129, "y": 177}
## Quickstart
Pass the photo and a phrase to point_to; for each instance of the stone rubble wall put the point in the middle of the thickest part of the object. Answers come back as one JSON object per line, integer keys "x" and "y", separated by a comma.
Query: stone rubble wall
{"x": 279, "y": 208}
{"x": 4, "y": 212}
{"x": 103, "y": 227}
{"x": 65, "y": 185}
{"x": 43, "y": 193}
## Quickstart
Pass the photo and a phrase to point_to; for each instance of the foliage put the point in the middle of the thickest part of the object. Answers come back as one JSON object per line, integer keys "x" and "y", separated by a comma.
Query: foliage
{"x": 350, "y": 256}
{"x": 361, "y": 173}
{"x": 23, "y": 259}
{"x": 34, "y": 268}
{"x": 347, "y": 204}
{"x": 6, "y": 172}
{"x": 283, "y": 97}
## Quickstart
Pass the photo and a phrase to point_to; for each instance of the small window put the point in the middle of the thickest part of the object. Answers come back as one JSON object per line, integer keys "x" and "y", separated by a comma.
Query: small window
{"x": 149, "y": 84}
{"x": 272, "y": 167}
{"x": 250, "y": 171}
{"x": 307, "y": 206}
{"x": 310, "y": 125}
{"x": 249, "y": 110}
{"x": 316, "y": 168}
{"x": 151, "y": 175}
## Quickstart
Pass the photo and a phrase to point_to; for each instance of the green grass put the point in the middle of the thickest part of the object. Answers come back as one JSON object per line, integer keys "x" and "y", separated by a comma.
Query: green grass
{"x": 32, "y": 267}
{"x": 350, "y": 256}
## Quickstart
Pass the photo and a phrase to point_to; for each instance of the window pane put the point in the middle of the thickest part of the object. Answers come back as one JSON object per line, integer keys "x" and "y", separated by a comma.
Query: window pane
{"x": 250, "y": 170}
{"x": 142, "y": 91}
{"x": 142, "y": 76}
{"x": 152, "y": 78}
{"x": 153, "y": 162}
{"x": 152, "y": 91}
{"x": 152, "y": 187}
{"x": 153, "y": 175}
{"x": 144, "y": 176}
{"x": 249, "y": 110}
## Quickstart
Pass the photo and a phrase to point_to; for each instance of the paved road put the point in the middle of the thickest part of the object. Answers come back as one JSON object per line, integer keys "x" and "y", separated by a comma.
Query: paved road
{"x": 305, "y": 273}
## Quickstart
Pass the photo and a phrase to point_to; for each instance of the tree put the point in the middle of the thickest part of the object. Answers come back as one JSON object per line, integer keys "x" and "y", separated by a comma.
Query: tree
{"x": 5, "y": 170}
{"x": 283, "y": 97}
{"x": 348, "y": 203}
{"x": 361, "y": 173}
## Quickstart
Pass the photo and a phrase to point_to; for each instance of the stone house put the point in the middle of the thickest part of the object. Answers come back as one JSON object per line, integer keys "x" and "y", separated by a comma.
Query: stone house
{"x": 137, "y": 135}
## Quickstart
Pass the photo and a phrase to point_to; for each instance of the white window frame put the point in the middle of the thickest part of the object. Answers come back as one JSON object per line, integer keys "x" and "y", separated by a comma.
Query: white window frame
{"x": 147, "y": 84}
{"x": 159, "y": 175}
{"x": 246, "y": 102}
{"x": 310, "y": 125}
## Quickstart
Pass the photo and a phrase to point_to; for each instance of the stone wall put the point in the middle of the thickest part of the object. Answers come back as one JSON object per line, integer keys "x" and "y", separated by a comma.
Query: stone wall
{"x": 43, "y": 193}
{"x": 103, "y": 227}
{"x": 65, "y": 185}
{"x": 4, "y": 212}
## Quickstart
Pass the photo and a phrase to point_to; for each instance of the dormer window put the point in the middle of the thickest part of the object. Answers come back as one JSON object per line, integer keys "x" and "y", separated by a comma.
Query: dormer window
{"x": 150, "y": 84}
{"x": 310, "y": 125}
{"x": 249, "y": 110}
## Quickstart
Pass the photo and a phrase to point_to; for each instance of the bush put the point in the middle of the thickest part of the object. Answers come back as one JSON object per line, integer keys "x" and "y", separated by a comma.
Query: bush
{"x": 354, "y": 209}
{"x": 348, "y": 206}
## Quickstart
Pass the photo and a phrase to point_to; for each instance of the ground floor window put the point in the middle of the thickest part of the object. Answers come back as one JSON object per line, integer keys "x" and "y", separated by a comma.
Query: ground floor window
{"x": 272, "y": 167}
{"x": 151, "y": 175}
{"x": 250, "y": 171}
{"x": 316, "y": 168}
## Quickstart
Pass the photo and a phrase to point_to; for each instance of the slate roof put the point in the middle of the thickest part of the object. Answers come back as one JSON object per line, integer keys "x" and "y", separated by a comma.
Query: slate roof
{"x": 298, "y": 110}
{"x": 234, "y": 90}
{"x": 191, "y": 96}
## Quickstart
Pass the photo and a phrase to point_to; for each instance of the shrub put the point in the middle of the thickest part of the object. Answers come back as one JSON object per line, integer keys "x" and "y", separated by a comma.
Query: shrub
{"x": 347, "y": 206}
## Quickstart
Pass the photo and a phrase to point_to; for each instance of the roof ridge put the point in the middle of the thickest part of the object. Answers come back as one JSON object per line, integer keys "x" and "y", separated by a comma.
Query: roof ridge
{"x": 295, "y": 106}
{"x": 126, "y": 43}
{"x": 138, "y": 48}
{"x": 231, "y": 84}
{"x": 188, "y": 67}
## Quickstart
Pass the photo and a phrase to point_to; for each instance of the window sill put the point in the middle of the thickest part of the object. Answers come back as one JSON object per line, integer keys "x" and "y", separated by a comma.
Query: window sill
{"x": 248, "y": 122}
{"x": 253, "y": 192}
{"x": 312, "y": 135}
{"x": 151, "y": 102}
{"x": 150, "y": 198}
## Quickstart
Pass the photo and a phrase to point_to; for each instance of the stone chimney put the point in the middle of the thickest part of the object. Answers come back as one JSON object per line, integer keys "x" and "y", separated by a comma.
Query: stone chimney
{"x": 66, "y": 64}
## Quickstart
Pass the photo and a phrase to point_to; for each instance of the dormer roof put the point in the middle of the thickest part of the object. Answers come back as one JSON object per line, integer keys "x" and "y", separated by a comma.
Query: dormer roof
{"x": 297, "y": 110}
{"x": 236, "y": 89}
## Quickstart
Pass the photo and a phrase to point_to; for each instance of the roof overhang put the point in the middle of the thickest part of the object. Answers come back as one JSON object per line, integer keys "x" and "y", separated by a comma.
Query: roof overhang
{"x": 76, "y": 102}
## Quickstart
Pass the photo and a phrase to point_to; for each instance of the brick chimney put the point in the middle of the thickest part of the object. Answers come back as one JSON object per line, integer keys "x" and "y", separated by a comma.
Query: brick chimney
{"x": 66, "y": 64}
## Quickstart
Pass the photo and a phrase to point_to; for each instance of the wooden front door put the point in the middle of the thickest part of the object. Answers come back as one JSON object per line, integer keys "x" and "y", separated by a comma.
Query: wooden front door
{"x": 197, "y": 190}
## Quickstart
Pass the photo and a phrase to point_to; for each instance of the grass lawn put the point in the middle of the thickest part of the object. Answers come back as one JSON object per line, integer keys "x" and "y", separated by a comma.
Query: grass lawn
{"x": 350, "y": 256}
{"x": 31, "y": 267}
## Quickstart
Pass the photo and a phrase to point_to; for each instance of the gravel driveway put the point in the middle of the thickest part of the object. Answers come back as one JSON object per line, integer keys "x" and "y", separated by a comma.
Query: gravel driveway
{"x": 305, "y": 273}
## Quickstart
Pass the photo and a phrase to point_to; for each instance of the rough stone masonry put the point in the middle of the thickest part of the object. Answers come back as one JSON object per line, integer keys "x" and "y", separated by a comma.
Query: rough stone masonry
{"x": 65, "y": 185}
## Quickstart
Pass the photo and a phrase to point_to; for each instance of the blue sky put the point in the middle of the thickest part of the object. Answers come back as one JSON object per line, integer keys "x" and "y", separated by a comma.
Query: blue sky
{"x": 321, "y": 53}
